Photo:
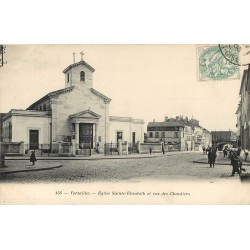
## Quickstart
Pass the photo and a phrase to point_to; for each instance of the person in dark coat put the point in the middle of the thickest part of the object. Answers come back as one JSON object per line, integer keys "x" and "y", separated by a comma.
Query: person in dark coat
{"x": 211, "y": 157}
{"x": 225, "y": 151}
{"x": 239, "y": 151}
{"x": 33, "y": 158}
{"x": 236, "y": 163}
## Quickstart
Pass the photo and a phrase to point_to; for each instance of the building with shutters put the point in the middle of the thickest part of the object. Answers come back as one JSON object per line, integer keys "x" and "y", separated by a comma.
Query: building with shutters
{"x": 179, "y": 132}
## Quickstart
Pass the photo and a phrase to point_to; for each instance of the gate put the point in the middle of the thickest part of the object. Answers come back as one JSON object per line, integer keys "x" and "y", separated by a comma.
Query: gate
{"x": 111, "y": 149}
{"x": 84, "y": 149}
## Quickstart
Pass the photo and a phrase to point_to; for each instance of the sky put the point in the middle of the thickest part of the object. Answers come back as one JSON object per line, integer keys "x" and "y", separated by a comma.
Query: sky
{"x": 144, "y": 81}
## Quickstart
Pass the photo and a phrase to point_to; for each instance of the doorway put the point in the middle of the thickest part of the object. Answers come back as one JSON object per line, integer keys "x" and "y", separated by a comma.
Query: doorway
{"x": 118, "y": 136}
{"x": 86, "y": 134}
{"x": 133, "y": 138}
{"x": 34, "y": 139}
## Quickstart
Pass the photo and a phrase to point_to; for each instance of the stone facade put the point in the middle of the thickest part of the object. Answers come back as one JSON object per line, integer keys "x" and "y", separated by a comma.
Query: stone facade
{"x": 77, "y": 113}
{"x": 243, "y": 112}
{"x": 131, "y": 130}
{"x": 17, "y": 123}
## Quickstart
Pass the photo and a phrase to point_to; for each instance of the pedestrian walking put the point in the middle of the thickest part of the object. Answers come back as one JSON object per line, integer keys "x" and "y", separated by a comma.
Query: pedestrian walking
{"x": 204, "y": 150}
{"x": 33, "y": 157}
{"x": 236, "y": 163}
{"x": 238, "y": 151}
{"x": 162, "y": 148}
{"x": 225, "y": 151}
{"x": 211, "y": 157}
{"x": 97, "y": 148}
{"x": 246, "y": 153}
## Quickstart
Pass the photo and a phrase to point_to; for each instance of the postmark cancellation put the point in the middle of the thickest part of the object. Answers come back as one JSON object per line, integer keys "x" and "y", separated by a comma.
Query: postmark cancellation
{"x": 212, "y": 65}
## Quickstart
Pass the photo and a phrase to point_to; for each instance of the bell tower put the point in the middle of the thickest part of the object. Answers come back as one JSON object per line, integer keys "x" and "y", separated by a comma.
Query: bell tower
{"x": 79, "y": 74}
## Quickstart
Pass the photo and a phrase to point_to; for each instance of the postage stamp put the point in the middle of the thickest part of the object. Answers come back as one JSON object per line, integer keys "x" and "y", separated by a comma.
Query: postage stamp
{"x": 212, "y": 64}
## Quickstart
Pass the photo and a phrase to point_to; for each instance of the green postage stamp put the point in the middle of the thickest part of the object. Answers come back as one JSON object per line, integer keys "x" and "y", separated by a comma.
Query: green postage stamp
{"x": 212, "y": 64}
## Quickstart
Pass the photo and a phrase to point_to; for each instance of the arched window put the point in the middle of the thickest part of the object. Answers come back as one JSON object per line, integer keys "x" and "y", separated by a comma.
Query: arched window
{"x": 82, "y": 76}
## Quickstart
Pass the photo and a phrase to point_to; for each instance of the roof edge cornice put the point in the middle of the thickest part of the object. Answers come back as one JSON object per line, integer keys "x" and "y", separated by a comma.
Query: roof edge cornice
{"x": 77, "y": 64}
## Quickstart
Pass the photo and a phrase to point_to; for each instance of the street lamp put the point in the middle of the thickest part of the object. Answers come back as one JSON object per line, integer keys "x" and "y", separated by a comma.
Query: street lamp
{"x": 2, "y": 51}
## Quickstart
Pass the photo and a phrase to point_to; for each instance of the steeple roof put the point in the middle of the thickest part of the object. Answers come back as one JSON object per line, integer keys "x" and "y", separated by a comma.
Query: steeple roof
{"x": 77, "y": 64}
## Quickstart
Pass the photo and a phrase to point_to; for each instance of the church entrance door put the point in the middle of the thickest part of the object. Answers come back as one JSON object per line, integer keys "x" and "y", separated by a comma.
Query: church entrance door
{"x": 86, "y": 134}
{"x": 34, "y": 139}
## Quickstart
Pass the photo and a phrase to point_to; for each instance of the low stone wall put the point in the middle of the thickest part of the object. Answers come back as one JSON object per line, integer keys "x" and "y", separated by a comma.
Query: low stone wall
{"x": 14, "y": 148}
{"x": 157, "y": 147}
{"x": 145, "y": 147}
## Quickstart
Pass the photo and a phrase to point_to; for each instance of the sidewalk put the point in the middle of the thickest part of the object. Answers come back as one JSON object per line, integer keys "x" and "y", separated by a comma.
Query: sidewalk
{"x": 99, "y": 156}
{"x": 26, "y": 166}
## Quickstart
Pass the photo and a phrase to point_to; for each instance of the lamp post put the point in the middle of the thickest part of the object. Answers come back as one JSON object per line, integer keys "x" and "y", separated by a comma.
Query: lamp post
{"x": 2, "y": 51}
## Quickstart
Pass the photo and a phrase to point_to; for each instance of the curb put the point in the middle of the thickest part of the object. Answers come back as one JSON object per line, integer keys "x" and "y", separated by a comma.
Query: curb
{"x": 217, "y": 163}
{"x": 90, "y": 158}
{"x": 78, "y": 159}
{"x": 202, "y": 162}
{"x": 30, "y": 170}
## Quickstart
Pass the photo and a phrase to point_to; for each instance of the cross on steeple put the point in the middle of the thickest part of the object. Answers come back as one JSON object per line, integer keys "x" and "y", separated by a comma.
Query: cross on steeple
{"x": 81, "y": 55}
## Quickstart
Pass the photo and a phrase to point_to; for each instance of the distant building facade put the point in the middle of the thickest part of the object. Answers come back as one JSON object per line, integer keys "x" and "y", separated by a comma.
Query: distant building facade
{"x": 184, "y": 132}
{"x": 220, "y": 138}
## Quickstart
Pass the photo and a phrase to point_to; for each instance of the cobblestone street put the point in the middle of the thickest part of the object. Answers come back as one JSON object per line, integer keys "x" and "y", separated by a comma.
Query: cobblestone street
{"x": 163, "y": 167}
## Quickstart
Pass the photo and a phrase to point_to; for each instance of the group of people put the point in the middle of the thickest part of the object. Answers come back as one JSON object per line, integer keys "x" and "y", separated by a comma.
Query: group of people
{"x": 234, "y": 156}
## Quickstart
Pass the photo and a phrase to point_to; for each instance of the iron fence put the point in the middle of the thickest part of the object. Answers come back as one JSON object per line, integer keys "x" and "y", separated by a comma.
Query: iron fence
{"x": 111, "y": 149}
{"x": 132, "y": 148}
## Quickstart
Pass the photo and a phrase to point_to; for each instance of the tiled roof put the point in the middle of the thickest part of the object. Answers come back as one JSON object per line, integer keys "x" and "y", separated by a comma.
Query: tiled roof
{"x": 50, "y": 95}
{"x": 165, "y": 124}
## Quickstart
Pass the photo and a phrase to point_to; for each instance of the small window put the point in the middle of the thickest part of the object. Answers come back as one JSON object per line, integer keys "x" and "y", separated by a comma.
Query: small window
{"x": 162, "y": 134}
{"x": 175, "y": 134}
{"x": 156, "y": 134}
{"x": 68, "y": 77}
{"x": 44, "y": 106}
{"x": 151, "y": 134}
{"x": 99, "y": 138}
{"x": 82, "y": 76}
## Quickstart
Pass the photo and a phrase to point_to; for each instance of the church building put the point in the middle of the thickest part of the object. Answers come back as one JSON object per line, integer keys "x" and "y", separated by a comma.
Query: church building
{"x": 77, "y": 113}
